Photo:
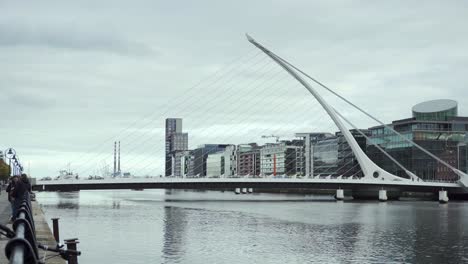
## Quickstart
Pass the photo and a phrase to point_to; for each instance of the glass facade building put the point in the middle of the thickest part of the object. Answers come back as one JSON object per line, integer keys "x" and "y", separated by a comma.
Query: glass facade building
{"x": 333, "y": 155}
{"x": 435, "y": 126}
{"x": 200, "y": 155}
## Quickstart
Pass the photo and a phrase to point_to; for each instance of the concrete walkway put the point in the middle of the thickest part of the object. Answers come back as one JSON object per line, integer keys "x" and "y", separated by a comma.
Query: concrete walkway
{"x": 5, "y": 212}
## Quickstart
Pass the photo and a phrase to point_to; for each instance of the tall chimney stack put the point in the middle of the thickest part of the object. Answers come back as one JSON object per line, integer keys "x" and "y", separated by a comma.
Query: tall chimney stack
{"x": 118, "y": 164}
{"x": 115, "y": 157}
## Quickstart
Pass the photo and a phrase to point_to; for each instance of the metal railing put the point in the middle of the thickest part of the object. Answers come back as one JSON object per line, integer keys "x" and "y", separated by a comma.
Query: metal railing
{"x": 22, "y": 248}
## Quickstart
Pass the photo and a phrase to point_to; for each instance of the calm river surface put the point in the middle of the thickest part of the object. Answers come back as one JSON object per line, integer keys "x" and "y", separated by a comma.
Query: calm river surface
{"x": 154, "y": 226}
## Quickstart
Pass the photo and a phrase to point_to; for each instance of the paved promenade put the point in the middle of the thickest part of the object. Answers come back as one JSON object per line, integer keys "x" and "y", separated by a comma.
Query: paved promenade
{"x": 5, "y": 212}
{"x": 43, "y": 233}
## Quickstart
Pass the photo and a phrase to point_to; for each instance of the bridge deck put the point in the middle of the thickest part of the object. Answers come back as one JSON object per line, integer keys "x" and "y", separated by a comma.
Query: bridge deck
{"x": 231, "y": 183}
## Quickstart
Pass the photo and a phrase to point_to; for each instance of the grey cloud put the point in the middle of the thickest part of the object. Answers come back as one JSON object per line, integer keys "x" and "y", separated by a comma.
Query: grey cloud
{"x": 67, "y": 36}
{"x": 19, "y": 99}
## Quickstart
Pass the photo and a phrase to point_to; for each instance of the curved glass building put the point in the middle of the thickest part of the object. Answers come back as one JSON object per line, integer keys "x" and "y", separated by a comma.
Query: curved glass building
{"x": 436, "y": 110}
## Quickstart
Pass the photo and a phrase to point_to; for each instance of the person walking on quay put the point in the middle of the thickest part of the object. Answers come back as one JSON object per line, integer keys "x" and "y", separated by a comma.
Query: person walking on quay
{"x": 27, "y": 186}
{"x": 9, "y": 189}
{"x": 17, "y": 194}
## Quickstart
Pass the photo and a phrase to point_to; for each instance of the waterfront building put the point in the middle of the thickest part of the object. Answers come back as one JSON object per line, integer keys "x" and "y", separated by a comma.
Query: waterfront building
{"x": 332, "y": 154}
{"x": 188, "y": 164}
{"x": 434, "y": 125}
{"x": 179, "y": 163}
{"x": 309, "y": 140}
{"x": 175, "y": 141}
{"x": 248, "y": 161}
{"x": 347, "y": 162}
{"x": 325, "y": 156}
{"x": 215, "y": 164}
{"x": 222, "y": 163}
{"x": 280, "y": 158}
{"x": 200, "y": 155}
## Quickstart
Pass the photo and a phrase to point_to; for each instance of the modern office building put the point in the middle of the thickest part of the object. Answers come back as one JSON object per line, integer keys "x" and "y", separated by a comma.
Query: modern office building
{"x": 333, "y": 155}
{"x": 434, "y": 125}
{"x": 325, "y": 156}
{"x": 347, "y": 162}
{"x": 200, "y": 155}
{"x": 222, "y": 163}
{"x": 215, "y": 164}
{"x": 310, "y": 139}
{"x": 248, "y": 161}
{"x": 187, "y": 164}
{"x": 175, "y": 141}
{"x": 280, "y": 158}
{"x": 179, "y": 163}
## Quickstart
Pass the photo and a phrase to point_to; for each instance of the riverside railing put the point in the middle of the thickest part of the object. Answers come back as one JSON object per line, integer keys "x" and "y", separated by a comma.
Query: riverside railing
{"x": 22, "y": 248}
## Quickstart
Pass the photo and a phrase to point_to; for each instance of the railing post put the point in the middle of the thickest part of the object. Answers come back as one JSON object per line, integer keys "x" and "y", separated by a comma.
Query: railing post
{"x": 71, "y": 245}
{"x": 55, "y": 225}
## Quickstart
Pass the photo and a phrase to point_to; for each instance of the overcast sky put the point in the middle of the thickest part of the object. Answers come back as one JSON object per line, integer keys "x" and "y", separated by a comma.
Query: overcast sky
{"x": 76, "y": 76}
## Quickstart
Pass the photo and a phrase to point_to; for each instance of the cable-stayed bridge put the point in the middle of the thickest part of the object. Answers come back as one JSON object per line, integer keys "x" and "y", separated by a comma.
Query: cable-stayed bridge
{"x": 371, "y": 177}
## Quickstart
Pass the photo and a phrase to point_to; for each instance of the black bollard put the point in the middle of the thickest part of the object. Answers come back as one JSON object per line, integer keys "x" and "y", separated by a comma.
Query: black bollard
{"x": 71, "y": 245}
{"x": 55, "y": 226}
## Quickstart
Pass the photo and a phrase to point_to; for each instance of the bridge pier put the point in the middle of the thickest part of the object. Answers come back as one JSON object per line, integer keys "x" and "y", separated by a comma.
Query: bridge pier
{"x": 339, "y": 196}
{"x": 443, "y": 197}
{"x": 237, "y": 191}
{"x": 373, "y": 193}
{"x": 383, "y": 195}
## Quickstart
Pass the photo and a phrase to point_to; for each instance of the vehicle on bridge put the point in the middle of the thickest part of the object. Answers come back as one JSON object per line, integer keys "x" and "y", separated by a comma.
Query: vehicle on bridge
{"x": 66, "y": 175}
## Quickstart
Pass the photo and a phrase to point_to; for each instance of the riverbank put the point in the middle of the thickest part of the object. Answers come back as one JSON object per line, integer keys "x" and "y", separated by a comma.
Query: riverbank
{"x": 43, "y": 233}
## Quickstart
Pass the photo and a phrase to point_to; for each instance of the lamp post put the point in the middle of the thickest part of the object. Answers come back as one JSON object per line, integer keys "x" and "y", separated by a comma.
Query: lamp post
{"x": 10, "y": 154}
{"x": 15, "y": 165}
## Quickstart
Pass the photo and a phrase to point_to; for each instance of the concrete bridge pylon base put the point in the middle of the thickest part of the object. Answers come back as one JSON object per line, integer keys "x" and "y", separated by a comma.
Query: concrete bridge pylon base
{"x": 375, "y": 194}
{"x": 383, "y": 195}
{"x": 443, "y": 197}
{"x": 339, "y": 196}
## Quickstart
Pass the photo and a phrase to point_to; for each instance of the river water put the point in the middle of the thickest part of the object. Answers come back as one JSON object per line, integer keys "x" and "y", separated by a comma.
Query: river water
{"x": 156, "y": 226}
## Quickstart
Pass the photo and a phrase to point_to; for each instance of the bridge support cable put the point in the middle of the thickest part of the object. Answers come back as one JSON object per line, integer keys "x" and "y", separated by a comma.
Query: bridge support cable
{"x": 352, "y": 168}
{"x": 463, "y": 177}
{"x": 254, "y": 137}
{"x": 210, "y": 80}
{"x": 327, "y": 172}
{"x": 269, "y": 84}
{"x": 224, "y": 79}
{"x": 408, "y": 172}
{"x": 273, "y": 82}
{"x": 370, "y": 169}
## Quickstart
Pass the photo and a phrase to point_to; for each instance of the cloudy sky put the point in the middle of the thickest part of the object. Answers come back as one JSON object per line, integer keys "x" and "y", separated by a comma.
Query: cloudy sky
{"x": 74, "y": 77}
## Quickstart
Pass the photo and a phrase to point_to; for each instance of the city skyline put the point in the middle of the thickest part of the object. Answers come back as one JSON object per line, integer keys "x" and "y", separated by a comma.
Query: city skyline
{"x": 234, "y": 131}
{"x": 69, "y": 86}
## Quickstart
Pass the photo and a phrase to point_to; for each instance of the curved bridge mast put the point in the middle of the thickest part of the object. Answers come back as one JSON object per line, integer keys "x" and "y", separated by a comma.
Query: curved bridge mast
{"x": 368, "y": 167}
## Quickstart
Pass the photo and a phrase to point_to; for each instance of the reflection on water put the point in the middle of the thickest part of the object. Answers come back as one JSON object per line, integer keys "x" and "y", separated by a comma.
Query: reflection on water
{"x": 68, "y": 200}
{"x": 212, "y": 227}
{"x": 175, "y": 221}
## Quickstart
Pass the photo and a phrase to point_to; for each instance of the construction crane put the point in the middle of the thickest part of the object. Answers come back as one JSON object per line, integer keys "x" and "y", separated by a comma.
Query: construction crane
{"x": 272, "y": 136}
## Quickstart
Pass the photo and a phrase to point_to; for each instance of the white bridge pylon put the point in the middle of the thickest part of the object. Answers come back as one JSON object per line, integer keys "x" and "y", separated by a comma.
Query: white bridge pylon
{"x": 370, "y": 170}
